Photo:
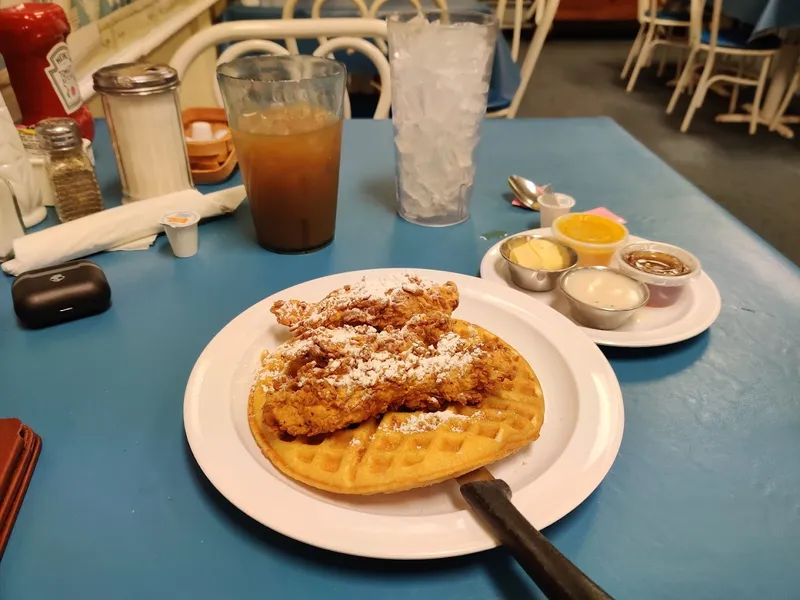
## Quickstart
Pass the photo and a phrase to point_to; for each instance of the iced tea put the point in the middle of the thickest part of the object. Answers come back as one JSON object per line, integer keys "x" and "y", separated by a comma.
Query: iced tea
{"x": 289, "y": 157}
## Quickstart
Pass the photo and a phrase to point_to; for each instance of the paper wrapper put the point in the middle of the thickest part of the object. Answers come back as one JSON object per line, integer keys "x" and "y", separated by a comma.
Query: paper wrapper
{"x": 128, "y": 227}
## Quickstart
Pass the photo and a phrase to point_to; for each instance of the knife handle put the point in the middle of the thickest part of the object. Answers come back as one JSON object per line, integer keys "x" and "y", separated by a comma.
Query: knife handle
{"x": 553, "y": 572}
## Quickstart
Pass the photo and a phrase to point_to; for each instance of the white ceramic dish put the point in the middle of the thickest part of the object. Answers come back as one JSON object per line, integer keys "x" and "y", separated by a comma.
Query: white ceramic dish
{"x": 580, "y": 438}
{"x": 694, "y": 312}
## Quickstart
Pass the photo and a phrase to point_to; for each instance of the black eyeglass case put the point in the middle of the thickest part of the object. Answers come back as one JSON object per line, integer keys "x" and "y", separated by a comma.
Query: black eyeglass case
{"x": 53, "y": 295}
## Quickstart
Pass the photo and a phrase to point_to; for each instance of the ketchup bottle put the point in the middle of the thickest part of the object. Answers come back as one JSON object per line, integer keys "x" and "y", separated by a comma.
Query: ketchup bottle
{"x": 33, "y": 44}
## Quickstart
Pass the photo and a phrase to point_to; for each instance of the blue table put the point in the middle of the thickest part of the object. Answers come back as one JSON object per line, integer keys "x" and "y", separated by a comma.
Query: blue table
{"x": 703, "y": 501}
{"x": 505, "y": 72}
{"x": 764, "y": 15}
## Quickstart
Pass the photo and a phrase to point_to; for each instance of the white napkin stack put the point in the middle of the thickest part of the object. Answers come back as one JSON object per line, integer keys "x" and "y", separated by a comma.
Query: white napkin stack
{"x": 130, "y": 227}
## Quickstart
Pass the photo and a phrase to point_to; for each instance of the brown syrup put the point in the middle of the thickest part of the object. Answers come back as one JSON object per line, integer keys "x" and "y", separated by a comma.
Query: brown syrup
{"x": 657, "y": 263}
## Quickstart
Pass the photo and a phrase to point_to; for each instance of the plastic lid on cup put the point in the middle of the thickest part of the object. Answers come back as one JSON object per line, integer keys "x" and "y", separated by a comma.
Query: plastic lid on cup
{"x": 556, "y": 200}
{"x": 182, "y": 218}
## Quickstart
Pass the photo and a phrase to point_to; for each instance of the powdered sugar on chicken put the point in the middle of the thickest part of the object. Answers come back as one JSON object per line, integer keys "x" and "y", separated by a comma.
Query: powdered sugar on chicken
{"x": 376, "y": 346}
{"x": 362, "y": 356}
{"x": 381, "y": 302}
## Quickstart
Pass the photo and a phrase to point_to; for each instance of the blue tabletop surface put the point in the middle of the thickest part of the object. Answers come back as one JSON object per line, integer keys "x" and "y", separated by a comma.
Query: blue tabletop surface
{"x": 703, "y": 501}
{"x": 764, "y": 15}
{"x": 505, "y": 72}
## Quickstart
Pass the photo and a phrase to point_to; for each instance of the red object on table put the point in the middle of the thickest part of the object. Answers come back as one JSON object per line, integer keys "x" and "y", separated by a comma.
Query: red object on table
{"x": 19, "y": 451}
{"x": 33, "y": 44}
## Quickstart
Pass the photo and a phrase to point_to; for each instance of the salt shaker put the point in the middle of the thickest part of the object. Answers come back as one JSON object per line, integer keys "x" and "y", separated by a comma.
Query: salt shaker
{"x": 74, "y": 181}
{"x": 144, "y": 117}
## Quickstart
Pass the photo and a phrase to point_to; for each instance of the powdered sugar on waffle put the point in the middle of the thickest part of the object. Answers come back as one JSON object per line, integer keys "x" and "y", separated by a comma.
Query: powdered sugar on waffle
{"x": 421, "y": 421}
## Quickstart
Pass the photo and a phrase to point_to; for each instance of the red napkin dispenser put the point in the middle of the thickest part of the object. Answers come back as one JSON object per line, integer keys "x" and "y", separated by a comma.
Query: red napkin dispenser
{"x": 19, "y": 451}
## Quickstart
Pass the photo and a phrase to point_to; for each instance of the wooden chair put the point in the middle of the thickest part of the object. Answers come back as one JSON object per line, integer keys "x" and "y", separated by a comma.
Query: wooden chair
{"x": 534, "y": 12}
{"x": 656, "y": 28}
{"x": 519, "y": 17}
{"x": 548, "y": 10}
{"x": 780, "y": 117}
{"x": 316, "y": 13}
{"x": 377, "y": 4}
{"x": 730, "y": 44}
{"x": 364, "y": 11}
{"x": 256, "y": 36}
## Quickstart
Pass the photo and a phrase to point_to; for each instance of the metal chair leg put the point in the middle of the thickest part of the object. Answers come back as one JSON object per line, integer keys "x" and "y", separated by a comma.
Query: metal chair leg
{"x": 762, "y": 82}
{"x": 643, "y": 56}
{"x": 664, "y": 52}
{"x": 683, "y": 80}
{"x": 634, "y": 52}
{"x": 787, "y": 99}
{"x": 699, "y": 94}
{"x": 735, "y": 92}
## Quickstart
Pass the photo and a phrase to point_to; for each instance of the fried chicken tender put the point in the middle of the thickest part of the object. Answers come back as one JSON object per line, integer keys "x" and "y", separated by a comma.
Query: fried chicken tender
{"x": 381, "y": 303}
{"x": 326, "y": 379}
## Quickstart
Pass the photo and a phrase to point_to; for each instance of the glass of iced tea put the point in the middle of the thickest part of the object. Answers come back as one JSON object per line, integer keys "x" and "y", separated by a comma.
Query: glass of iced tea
{"x": 285, "y": 114}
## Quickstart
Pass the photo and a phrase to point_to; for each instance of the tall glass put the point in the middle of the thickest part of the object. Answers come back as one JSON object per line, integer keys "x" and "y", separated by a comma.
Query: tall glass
{"x": 441, "y": 68}
{"x": 285, "y": 114}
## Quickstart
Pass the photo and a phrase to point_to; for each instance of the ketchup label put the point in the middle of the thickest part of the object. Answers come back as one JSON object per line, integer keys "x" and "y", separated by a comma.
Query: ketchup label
{"x": 62, "y": 78}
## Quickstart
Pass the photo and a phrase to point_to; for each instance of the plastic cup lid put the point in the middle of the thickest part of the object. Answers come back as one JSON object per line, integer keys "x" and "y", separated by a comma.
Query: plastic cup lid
{"x": 557, "y": 201}
{"x": 183, "y": 218}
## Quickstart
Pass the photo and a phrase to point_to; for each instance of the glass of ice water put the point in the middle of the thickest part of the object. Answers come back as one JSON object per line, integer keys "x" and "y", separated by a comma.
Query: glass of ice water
{"x": 441, "y": 65}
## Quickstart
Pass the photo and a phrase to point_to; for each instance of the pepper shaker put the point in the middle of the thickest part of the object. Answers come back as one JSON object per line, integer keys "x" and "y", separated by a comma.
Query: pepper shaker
{"x": 144, "y": 118}
{"x": 74, "y": 182}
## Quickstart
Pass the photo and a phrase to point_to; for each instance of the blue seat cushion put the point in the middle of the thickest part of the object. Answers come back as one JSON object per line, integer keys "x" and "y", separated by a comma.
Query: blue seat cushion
{"x": 671, "y": 15}
{"x": 497, "y": 101}
{"x": 740, "y": 39}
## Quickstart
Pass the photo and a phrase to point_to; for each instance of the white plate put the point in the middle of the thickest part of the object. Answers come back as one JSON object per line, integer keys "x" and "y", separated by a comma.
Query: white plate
{"x": 694, "y": 312}
{"x": 580, "y": 437}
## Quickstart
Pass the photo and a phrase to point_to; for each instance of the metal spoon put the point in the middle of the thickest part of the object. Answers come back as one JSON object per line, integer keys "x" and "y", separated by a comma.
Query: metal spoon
{"x": 525, "y": 191}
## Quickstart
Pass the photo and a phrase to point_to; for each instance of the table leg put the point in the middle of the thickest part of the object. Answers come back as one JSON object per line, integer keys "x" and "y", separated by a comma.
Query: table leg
{"x": 784, "y": 71}
{"x": 785, "y": 65}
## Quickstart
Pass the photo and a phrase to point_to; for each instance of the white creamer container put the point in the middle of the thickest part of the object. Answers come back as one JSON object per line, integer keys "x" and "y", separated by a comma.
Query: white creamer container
{"x": 144, "y": 118}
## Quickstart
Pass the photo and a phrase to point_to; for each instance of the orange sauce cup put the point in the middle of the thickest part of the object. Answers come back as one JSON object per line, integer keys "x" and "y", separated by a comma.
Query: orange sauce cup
{"x": 593, "y": 237}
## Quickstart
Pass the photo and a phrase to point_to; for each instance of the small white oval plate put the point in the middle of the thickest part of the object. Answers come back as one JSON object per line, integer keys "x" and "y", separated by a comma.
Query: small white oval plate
{"x": 579, "y": 440}
{"x": 694, "y": 312}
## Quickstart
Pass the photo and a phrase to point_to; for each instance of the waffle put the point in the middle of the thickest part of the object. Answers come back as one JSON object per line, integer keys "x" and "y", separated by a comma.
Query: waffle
{"x": 405, "y": 450}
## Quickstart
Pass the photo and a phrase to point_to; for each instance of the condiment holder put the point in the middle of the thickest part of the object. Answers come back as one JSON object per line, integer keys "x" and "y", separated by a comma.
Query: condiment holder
{"x": 604, "y": 279}
{"x": 608, "y": 301}
{"x": 593, "y": 237}
{"x": 143, "y": 112}
{"x": 532, "y": 279}
{"x": 212, "y": 158}
{"x": 181, "y": 229}
{"x": 552, "y": 205}
{"x": 664, "y": 268}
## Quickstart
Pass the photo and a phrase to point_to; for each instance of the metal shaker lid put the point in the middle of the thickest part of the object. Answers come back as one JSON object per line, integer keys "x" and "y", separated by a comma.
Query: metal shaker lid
{"x": 61, "y": 133}
{"x": 139, "y": 78}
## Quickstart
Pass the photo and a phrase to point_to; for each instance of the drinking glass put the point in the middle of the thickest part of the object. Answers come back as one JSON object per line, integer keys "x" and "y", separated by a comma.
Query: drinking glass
{"x": 441, "y": 67}
{"x": 285, "y": 115}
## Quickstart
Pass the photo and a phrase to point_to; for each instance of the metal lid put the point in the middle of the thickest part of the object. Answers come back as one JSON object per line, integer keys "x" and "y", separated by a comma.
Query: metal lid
{"x": 59, "y": 134}
{"x": 135, "y": 78}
